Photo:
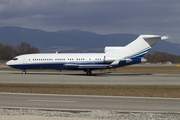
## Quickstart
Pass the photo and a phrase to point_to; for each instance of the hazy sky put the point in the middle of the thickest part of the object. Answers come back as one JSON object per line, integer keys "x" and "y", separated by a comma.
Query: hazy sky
{"x": 100, "y": 16}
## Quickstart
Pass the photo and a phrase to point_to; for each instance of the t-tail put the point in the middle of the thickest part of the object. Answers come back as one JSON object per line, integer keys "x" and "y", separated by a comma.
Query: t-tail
{"x": 134, "y": 51}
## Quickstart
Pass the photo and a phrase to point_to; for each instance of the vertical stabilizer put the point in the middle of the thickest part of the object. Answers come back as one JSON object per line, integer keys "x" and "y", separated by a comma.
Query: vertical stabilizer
{"x": 142, "y": 45}
{"x": 137, "y": 48}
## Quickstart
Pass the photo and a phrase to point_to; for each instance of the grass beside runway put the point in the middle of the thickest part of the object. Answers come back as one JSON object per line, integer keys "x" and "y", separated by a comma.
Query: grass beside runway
{"x": 167, "y": 91}
{"x": 149, "y": 69}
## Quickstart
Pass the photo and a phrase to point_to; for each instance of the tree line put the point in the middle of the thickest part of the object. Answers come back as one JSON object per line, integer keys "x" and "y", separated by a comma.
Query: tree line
{"x": 7, "y": 52}
{"x": 162, "y": 57}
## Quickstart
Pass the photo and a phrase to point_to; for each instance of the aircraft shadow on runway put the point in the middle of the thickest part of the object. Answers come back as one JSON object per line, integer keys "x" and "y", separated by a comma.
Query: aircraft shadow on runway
{"x": 109, "y": 74}
{"x": 102, "y": 74}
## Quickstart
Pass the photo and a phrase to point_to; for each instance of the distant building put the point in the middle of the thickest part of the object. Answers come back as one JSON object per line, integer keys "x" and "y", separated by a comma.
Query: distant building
{"x": 168, "y": 63}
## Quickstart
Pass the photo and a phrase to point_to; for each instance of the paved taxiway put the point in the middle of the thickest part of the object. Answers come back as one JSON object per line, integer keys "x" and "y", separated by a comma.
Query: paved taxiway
{"x": 88, "y": 103}
{"x": 98, "y": 78}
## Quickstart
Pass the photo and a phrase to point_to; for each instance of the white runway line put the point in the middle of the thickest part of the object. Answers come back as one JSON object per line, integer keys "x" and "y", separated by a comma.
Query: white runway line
{"x": 51, "y": 101}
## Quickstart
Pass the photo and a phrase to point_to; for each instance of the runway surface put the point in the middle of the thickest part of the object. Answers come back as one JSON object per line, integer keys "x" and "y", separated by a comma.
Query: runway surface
{"x": 98, "y": 78}
{"x": 88, "y": 103}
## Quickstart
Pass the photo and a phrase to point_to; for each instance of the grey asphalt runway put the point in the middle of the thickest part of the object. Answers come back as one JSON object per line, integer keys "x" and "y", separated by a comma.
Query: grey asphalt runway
{"x": 88, "y": 103}
{"x": 98, "y": 78}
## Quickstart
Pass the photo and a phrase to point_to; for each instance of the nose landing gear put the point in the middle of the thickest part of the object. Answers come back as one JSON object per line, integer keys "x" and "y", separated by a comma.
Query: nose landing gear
{"x": 23, "y": 71}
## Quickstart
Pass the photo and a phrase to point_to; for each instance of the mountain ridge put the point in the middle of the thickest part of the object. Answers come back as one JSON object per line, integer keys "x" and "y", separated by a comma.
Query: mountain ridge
{"x": 74, "y": 40}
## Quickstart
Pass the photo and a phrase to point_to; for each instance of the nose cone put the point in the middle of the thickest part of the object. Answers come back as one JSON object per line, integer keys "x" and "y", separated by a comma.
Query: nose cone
{"x": 8, "y": 63}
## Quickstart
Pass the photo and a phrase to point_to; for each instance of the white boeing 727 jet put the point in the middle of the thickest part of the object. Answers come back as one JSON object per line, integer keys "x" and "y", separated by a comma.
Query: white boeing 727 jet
{"x": 112, "y": 57}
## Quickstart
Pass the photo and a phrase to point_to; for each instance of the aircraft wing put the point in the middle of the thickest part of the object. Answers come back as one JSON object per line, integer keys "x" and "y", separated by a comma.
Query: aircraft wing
{"x": 97, "y": 66}
{"x": 86, "y": 66}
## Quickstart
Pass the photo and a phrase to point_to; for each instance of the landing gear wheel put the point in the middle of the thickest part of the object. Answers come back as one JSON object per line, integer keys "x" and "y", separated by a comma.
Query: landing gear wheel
{"x": 23, "y": 71}
{"x": 89, "y": 72}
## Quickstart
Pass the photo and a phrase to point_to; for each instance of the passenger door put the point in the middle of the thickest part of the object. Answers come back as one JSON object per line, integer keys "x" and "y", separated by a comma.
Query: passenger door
{"x": 25, "y": 60}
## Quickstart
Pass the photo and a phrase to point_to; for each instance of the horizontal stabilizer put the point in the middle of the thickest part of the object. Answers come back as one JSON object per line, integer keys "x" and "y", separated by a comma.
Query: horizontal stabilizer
{"x": 164, "y": 37}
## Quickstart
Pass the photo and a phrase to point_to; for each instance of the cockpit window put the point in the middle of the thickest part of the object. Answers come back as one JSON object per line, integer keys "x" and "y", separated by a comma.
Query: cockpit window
{"x": 15, "y": 58}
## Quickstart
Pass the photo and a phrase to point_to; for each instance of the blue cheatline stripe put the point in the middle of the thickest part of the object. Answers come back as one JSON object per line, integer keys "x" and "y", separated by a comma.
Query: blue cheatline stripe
{"x": 52, "y": 65}
{"x": 140, "y": 54}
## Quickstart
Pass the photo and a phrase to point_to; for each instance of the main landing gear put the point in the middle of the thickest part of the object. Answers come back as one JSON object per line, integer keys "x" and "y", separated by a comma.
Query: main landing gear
{"x": 88, "y": 72}
{"x": 23, "y": 71}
